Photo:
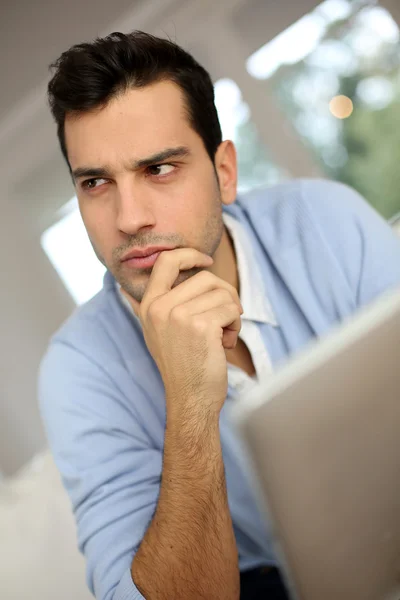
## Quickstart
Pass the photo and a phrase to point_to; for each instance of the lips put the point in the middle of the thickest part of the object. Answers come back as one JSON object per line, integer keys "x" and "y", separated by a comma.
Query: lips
{"x": 143, "y": 258}
{"x": 143, "y": 253}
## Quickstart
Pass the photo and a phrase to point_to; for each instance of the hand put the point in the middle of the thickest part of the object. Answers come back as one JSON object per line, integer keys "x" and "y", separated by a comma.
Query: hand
{"x": 188, "y": 328}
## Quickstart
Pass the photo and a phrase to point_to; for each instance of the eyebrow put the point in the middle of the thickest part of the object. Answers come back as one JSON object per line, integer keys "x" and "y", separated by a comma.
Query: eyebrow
{"x": 106, "y": 172}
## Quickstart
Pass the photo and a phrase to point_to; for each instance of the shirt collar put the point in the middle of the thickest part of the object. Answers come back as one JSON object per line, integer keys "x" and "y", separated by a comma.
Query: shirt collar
{"x": 256, "y": 306}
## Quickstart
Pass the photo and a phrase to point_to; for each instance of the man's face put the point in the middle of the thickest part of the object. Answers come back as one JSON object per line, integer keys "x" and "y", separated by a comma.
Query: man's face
{"x": 129, "y": 204}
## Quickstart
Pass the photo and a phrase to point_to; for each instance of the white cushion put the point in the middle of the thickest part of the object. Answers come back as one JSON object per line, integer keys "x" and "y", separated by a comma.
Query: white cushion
{"x": 39, "y": 558}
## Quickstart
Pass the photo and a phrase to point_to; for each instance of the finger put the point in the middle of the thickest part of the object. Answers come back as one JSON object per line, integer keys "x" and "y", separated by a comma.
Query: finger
{"x": 227, "y": 321}
{"x": 168, "y": 266}
{"x": 203, "y": 302}
{"x": 199, "y": 286}
{"x": 229, "y": 339}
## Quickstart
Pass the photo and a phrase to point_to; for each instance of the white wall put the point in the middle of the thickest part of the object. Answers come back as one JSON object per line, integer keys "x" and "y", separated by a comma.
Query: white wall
{"x": 33, "y": 303}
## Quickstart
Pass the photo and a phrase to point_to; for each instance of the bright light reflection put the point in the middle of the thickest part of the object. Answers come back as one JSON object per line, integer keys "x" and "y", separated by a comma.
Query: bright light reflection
{"x": 289, "y": 47}
{"x": 380, "y": 21}
{"x": 375, "y": 25}
{"x": 334, "y": 10}
{"x": 376, "y": 92}
{"x": 298, "y": 40}
{"x": 232, "y": 111}
{"x": 334, "y": 55}
{"x": 68, "y": 248}
{"x": 341, "y": 107}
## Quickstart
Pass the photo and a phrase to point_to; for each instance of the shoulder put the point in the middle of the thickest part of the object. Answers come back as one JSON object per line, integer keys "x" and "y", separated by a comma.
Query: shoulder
{"x": 78, "y": 347}
{"x": 79, "y": 328}
{"x": 317, "y": 211}
{"x": 92, "y": 369}
{"x": 329, "y": 224}
{"x": 95, "y": 343}
{"x": 292, "y": 199}
{"x": 98, "y": 326}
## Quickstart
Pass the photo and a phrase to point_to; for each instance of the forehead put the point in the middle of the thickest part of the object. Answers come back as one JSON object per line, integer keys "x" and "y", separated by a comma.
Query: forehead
{"x": 134, "y": 124}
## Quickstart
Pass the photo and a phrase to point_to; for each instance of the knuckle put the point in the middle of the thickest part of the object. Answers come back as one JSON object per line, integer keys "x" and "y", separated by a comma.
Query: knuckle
{"x": 234, "y": 294}
{"x": 226, "y": 296}
{"x": 235, "y": 307}
{"x": 200, "y": 326}
{"x": 234, "y": 312}
{"x": 178, "y": 314}
{"x": 155, "y": 312}
{"x": 231, "y": 310}
{"x": 205, "y": 277}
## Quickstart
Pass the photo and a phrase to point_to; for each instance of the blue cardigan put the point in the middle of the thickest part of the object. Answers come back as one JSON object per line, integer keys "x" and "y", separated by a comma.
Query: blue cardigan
{"x": 323, "y": 253}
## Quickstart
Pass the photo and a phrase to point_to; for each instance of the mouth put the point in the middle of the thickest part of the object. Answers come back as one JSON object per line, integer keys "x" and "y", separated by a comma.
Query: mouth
{"x": 143, "y": 259}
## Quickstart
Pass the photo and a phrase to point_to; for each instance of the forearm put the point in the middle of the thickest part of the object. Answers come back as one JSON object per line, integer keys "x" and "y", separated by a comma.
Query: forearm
{"x": 189, "y": 550}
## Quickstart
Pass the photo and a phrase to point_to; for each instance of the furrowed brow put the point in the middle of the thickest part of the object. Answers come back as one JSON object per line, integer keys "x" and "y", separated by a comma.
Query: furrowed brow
{"x": 180, "y": 152}
{"x": 159, "y": 157}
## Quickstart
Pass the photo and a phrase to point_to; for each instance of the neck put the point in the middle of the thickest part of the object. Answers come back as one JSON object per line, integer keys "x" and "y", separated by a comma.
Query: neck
{"x": 225, "y": 263}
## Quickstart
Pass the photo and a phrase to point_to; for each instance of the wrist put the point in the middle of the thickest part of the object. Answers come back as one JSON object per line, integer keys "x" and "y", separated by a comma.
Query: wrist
{"x": 192, "y": 411}
{"x": 192, "y": 428}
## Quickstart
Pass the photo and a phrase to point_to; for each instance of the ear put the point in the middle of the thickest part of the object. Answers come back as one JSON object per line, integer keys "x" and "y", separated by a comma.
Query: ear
{"x": 226, "y": 167}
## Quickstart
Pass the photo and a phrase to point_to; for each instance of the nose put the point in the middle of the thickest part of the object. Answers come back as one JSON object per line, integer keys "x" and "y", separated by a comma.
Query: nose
{"x": 133, "y": 210}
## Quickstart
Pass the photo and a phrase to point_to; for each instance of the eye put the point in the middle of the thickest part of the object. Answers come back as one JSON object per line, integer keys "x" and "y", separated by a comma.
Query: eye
{"x": 161, "y": 170}
{"x": 88, "y": 184}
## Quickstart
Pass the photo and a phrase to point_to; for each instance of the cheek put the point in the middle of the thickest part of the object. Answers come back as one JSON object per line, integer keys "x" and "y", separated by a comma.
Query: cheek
{"x": 192, "y": 204}
{"x": 187, "y": 219}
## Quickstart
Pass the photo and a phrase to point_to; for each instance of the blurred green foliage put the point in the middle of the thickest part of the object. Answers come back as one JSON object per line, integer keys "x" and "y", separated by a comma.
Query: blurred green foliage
{"x": 364, "y": 149}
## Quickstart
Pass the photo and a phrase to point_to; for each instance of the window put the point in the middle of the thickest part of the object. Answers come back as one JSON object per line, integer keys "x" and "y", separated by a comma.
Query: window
{"x": 336, "y": 74}
{"x": 68, "y": 247}
{"x": 255, "y": 168}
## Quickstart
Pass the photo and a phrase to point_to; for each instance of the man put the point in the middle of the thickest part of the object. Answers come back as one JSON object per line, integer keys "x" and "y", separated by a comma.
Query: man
{"x": 204, "y": 292}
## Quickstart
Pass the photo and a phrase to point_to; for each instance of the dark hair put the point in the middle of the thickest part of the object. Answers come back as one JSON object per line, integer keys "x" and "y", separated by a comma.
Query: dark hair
{"x": 89, "y": 75}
